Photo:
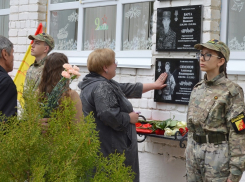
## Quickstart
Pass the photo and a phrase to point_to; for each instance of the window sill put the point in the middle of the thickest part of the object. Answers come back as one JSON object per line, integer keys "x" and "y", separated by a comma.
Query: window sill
{"x": 143, "y": 63}
{"x": 92, "y": 1}
{"x": 236, "y": 67}
{"x": 126, "y": 59}
{"x": 4, "y": 12}
{"x": 236, "y": 63}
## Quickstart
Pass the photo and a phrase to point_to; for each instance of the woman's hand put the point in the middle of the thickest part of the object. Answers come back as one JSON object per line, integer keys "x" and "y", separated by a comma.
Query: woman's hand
{"x": 159, "y": 83}
{"x": 133, "y": 117}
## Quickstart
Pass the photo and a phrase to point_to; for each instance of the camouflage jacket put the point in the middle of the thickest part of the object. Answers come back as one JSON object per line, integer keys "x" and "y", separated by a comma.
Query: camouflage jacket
{"x": 213, "y": 104}
{"x": 34, "y": 73}
{"x": 166, "y": 40}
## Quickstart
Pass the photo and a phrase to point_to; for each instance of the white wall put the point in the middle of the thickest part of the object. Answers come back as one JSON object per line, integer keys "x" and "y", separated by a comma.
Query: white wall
{"x": 24, "y": 18}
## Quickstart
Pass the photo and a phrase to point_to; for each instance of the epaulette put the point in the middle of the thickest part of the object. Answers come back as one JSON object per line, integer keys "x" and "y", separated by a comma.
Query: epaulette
{"x": 199, "y": 83}
{"x": 232, "y": 87}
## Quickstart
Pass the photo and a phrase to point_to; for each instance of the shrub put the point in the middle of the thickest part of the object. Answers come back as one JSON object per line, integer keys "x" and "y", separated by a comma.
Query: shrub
{"x": 64, "y": 151}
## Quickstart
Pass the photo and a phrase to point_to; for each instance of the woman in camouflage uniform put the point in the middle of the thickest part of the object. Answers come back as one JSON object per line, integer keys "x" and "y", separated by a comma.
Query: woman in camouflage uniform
{"x": 216, "y": 142}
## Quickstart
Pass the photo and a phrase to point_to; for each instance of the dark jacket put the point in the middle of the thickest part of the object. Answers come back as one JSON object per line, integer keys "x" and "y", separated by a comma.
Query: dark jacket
{"x": 108, "y": 101}
{"x": 8, "y": 94}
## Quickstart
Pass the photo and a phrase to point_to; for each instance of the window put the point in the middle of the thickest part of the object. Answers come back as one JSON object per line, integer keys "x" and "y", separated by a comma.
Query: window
{"x": 137, "y": 26}
{"x": 232, "y": 33}
{"x": 79, "y": 27}
{"x": 63, "y": 28}
{"x": 236, "y": 34}
{"x": 4, "y": 18}
{"x": 100, "y": 31}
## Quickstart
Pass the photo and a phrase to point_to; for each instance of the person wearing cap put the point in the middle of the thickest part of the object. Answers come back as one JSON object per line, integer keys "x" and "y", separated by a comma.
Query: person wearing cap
{"x": 43, "y": 43}
{"x": 215, "y": 119}
{"x": 166, "y": 36}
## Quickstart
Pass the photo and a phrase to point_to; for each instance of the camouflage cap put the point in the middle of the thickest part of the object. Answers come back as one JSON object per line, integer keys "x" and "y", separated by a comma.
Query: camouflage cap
{"x": 43, "y": 37}
{"x": 166, "y": 14}
{"x": 215, "y": 45}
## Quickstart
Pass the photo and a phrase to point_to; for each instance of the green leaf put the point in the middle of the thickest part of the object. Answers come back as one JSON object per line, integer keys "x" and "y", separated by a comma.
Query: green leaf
{"x": 168, "y": 121}
{"x": 160, "y": 124}
{"x": 173, "y": 123}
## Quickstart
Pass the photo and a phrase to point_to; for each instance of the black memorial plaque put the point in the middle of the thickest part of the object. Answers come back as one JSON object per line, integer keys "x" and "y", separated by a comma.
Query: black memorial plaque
{"x": 178, "y": 28}
{"x": 183, "y": 75}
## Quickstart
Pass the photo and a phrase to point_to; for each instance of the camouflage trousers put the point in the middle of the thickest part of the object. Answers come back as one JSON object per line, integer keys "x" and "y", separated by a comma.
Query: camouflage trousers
{"x": 207, "y": 162}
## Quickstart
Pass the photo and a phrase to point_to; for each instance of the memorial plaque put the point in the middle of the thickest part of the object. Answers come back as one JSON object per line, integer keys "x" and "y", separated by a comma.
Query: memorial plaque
{"x": 178, "y": 28}
{"x": 183, "y": 75}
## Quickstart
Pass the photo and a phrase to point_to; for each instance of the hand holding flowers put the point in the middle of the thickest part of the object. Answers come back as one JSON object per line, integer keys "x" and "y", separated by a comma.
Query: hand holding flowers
{"x": 70, "y": 72}
{"x": 68, "y": 75}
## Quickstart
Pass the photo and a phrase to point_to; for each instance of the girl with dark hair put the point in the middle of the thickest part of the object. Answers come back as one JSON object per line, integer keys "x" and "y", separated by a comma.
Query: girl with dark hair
{"x": 216, "y": 139}
{"x": 51, "y": 75}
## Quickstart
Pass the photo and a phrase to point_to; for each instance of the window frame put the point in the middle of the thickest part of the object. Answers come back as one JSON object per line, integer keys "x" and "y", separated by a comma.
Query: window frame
{"x": 236, "y": 63}
{"x": 128, "y": 59}
{"x": 4, "y": 12}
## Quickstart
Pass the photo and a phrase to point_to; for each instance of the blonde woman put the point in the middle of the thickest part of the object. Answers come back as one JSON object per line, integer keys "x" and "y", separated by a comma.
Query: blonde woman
{"x": 113, "y": 112}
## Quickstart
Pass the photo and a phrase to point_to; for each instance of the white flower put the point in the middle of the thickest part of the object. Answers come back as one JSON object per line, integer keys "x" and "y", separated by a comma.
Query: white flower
{"x": 175, "y": 129}
{"x": 181, "y": 124}
{"x": 168, "y": 132}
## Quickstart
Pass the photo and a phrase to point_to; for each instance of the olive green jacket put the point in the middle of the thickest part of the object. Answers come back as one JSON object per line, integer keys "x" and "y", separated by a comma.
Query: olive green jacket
{"x": 34, "y": 73}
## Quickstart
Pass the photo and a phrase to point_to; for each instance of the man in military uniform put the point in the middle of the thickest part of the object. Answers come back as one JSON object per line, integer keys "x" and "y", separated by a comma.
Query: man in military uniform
{"x": 42, "y": 45}
{"x": 166, "y": 36}
{"x": 169, "y": 89}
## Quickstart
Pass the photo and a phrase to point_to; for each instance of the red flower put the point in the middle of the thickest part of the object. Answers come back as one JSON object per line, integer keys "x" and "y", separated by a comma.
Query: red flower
{"x": 159, "y": 132}
{"x": 183, "y": 131}
{"x": 147, "y": 125}
{"x": 138, "y": 124}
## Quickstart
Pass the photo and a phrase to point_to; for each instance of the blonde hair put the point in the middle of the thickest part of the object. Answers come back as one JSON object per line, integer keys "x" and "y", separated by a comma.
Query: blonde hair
{"x": 99, "y": 58}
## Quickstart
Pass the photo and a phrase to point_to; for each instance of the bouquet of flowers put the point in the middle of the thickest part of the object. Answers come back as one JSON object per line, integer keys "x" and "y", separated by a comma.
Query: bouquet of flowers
{"x": 68, "y": 75}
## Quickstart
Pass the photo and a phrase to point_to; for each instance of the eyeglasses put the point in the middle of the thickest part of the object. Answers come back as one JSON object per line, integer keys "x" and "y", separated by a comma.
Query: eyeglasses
{"x": 116, "y": 62}
{"x": 206, "y": 56}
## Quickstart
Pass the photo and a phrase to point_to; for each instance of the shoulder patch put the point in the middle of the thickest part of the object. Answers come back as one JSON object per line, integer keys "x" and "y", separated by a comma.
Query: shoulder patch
{"x": 238, "y": 123}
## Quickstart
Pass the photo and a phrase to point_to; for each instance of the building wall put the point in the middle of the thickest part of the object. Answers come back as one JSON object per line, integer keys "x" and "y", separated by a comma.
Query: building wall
{"x": 24, "y": 18}
{"x": 160, "y": 159}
